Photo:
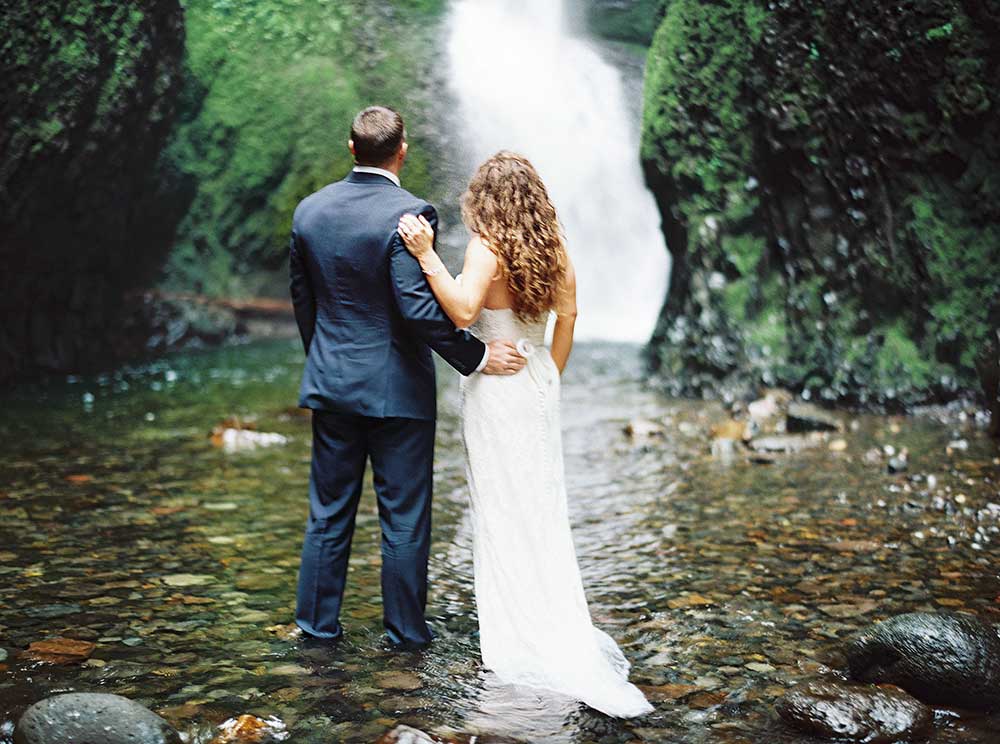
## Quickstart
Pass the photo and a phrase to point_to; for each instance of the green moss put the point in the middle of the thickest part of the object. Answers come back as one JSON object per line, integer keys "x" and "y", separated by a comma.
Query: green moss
{"x": 694, "y": 126}
{"x": 839, "y": 164}
{"x": 272, "y": 90}
{"x": 767, "y": 334}
{"x": 963, "y": 266}
{"x": 940, "y": 32}
{"x": 899, "y": 359}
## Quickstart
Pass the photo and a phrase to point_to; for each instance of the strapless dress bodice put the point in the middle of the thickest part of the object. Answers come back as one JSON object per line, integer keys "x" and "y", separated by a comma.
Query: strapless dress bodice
{"x": 495, "y": 325}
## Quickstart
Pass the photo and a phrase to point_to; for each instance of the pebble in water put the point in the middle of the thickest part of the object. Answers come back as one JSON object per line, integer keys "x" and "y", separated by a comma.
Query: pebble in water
{"x": 248, "y": 729}
{"x": 60, "y": 651}
{"x": 899, "y": 462}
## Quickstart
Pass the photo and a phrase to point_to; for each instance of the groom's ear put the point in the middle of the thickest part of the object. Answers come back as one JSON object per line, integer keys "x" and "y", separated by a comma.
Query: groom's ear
{"x": 350, "y": 146}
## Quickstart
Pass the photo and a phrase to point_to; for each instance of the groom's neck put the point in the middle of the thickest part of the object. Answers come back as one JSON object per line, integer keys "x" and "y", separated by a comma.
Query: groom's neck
{"x": 393, "y": 168}
{"x": 393, "y": 165}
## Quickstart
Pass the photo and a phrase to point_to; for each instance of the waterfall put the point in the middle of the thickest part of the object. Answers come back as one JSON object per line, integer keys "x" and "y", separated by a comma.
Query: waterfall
{"x": 524, "y": 83}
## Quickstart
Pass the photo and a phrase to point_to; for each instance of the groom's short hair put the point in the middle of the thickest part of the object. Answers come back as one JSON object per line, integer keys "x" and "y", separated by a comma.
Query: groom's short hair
{"x": 378, "y": 133}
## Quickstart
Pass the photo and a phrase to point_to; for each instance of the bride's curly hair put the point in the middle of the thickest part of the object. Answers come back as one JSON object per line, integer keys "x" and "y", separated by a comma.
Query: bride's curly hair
{"x": 508, "y": 207}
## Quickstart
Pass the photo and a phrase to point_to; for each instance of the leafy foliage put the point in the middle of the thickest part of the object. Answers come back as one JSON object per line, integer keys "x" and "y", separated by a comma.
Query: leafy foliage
{"x": 272, "y": 88}
{"x": 828, "y": 178}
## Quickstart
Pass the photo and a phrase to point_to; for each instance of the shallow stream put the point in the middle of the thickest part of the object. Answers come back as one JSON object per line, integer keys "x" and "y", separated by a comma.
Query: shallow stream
{"x": 122, "y": 524}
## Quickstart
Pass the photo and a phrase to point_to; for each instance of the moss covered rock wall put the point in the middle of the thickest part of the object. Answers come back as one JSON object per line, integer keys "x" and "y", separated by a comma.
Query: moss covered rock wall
{"x": 88, "y": 99}
{"x": 143, "y": 145}
{"x": 829, "y": 176}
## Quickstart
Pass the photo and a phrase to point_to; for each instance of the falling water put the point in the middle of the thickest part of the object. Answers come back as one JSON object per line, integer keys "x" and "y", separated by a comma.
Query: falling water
{"x": 523, "y": 83}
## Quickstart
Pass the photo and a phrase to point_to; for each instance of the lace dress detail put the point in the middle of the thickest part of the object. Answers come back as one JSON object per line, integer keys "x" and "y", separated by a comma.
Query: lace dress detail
{"x": 534, "y": 624}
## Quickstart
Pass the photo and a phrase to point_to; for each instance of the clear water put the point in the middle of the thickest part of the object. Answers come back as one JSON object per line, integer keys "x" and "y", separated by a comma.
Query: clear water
{"x": 654, "y": 522}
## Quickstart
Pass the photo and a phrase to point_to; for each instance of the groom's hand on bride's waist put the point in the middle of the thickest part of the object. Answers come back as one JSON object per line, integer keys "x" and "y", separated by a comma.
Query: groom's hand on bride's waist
{"x": 504, "y": 359}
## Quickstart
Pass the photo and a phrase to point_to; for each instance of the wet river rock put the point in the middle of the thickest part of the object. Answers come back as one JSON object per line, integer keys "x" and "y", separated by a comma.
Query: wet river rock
{"x": 941, "y": 658}
{"x": 92, "y": 718}
{"x": 873, "y": 715}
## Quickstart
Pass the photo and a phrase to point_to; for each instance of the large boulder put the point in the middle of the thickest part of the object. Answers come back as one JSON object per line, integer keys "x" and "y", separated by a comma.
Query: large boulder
{"x": 92, "y": 718}
{"x": 874, "y": 715}
{"x": 941, "y": 658}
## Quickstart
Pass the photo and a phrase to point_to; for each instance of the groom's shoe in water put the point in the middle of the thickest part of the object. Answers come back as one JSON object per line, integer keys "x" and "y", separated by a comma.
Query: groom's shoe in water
{"x": 404, "y": 646}
{"x": 309, "y": 634}
{"x": 393, "y": 642}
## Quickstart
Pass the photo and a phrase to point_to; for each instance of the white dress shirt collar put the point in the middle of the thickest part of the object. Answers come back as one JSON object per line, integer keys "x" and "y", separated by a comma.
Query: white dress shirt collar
{"x": 378, "y": 172}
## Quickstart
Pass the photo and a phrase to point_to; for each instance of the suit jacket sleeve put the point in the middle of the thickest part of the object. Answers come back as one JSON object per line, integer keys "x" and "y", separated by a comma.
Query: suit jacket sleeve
{"x": 421, "y": 310}
{"x": 303, "y": 298}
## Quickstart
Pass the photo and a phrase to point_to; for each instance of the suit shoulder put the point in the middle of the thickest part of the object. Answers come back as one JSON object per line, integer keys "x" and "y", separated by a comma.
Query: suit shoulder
{"x": 314, "y": 200}
{"x": 412, "y": 203}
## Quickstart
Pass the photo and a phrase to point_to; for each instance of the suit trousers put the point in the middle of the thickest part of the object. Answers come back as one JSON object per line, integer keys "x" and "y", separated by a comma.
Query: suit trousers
{"x": 402, "y": 457}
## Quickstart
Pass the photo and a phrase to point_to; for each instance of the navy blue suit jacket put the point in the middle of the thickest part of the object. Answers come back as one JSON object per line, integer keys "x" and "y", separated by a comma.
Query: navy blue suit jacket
{"x": 367, "y": 317}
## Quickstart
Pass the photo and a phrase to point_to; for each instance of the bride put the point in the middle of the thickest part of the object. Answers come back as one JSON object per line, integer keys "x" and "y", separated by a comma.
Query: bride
{"x": 534, "y": 625}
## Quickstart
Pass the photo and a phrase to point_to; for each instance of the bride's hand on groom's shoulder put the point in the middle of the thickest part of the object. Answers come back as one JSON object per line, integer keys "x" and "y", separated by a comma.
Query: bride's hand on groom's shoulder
{"x": 417, "y": 234}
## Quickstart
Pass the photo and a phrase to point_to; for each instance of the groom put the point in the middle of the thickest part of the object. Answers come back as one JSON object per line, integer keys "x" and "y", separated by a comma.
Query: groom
{"x": 368, "y": 321}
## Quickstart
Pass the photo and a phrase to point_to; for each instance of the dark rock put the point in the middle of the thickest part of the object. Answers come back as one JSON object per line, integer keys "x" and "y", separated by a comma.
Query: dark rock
{"x": 941, "y": 658}
{"x": 988, "y": 368}
{"x": 92, "y": 718}
{"x": 874, "y": 715}
{"x": 53, "y": 610}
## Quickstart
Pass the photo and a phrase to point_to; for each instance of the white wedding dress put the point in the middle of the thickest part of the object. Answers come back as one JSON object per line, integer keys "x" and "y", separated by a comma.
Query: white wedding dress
{"x": 534, "y": 625}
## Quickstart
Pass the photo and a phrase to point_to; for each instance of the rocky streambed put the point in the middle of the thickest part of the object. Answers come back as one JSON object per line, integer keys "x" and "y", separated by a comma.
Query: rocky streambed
{"x": 139, "y": 558}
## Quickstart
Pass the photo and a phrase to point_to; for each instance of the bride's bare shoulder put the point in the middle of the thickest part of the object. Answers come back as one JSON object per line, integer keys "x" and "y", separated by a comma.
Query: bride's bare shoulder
{"x": 478, "y": 251}
{"x": 477, "y": 244}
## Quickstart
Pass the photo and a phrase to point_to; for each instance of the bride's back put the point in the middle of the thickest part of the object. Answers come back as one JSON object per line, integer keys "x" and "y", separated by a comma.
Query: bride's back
{"x": 501, "y": 324}
{"x": 498, "y": 296}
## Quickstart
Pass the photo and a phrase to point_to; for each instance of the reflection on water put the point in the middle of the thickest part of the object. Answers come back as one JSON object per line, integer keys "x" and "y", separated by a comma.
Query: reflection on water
{"x": 122, "y": 525}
